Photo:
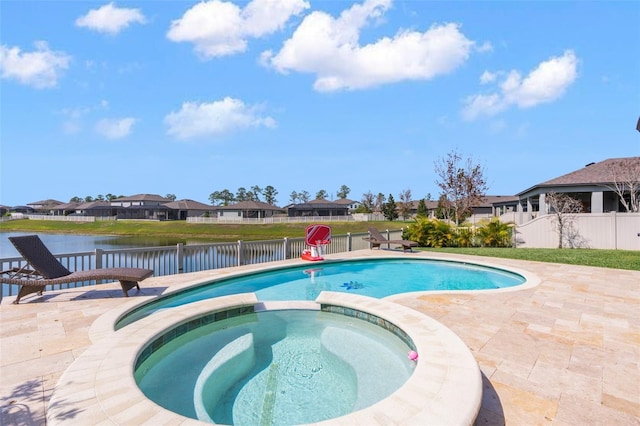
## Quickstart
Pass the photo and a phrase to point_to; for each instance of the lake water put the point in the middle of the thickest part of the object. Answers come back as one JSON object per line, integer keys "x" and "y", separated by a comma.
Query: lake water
{"x": 66, "y": 243}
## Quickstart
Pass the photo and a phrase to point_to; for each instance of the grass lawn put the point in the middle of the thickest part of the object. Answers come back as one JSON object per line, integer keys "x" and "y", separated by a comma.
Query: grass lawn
{"x": 181, "y": 229}
{"x": 618, "y": 259}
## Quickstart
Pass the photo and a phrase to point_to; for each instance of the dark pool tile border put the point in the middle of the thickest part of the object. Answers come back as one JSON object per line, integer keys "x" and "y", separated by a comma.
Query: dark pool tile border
{"x": 371, "y": 318}
{"x": 212, "y": 317}
{"x": 188, "y": 326}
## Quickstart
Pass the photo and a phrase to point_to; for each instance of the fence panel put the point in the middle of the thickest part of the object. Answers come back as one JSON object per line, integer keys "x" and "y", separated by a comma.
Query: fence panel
{"x": 171, "y": 260}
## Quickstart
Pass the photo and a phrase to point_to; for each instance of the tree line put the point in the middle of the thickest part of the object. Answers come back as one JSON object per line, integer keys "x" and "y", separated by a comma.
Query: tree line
{"x": 460, "y": 179}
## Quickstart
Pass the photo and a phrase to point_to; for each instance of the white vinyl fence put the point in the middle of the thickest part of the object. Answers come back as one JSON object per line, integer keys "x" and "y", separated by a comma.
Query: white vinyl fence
{"x": 585, "y": 230}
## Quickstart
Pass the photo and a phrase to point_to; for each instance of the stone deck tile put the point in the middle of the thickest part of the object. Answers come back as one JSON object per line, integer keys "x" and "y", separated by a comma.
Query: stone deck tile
{"x": 566, "y": 352}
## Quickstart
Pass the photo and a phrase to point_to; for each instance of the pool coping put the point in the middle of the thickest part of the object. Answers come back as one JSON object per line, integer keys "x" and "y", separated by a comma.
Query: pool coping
{"x": 445, "y": 387}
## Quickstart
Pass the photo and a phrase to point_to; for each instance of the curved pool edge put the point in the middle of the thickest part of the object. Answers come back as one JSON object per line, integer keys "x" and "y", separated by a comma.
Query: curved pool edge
{"x": 105, "y": 324}
{"x": 446, "y": 386}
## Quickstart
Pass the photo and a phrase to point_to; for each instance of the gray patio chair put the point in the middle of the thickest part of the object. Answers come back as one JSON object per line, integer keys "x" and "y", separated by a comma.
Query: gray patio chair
{"x": 377, "y": 239}
{"x": 44, "y": 269}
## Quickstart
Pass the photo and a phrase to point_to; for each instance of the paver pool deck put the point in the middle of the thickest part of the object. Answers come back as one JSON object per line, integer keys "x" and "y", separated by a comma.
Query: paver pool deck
{"x": 565, "y": 352}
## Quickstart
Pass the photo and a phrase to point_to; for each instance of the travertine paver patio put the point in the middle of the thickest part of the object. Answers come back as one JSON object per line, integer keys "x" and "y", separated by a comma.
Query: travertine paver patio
{"x": 566, "y": 352}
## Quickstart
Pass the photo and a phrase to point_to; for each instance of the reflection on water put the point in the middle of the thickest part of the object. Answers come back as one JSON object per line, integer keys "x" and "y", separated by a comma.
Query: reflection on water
{"x": 66, "y": 243}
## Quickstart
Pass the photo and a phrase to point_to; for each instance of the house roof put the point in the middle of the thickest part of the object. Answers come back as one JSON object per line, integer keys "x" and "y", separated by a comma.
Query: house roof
{"x": 319, "y": 204}
{"x": 345, "y": 201}
{"x": 189, "y": 205}
{"x": 249, "y": 205}
{"x": 492, "y": 200}
{"x": 48, "y": 202}
{"x": 95, "y": 205}
{"x": 143, "y": 197}
{"x": 66, "y": 206}
{"x": 602, "y": 173}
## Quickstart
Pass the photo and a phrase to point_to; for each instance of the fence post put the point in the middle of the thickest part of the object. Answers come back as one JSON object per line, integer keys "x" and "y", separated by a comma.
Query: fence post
{"x": 98, "y": 255}
{"x": 286, "y": 248}
{"x": 180, "y": 255}
{"x": 349, "y": 245}
{"x": 240, "y": 252}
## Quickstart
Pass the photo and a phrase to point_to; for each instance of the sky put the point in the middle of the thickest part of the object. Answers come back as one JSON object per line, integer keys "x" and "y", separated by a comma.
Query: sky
{"x": 189, "y": 98}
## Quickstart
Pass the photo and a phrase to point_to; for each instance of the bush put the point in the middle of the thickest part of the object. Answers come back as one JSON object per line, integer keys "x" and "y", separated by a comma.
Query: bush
{"x": 439, "y": 233}
{"x": 430, "y": 233}
{"x": 494, "y": 234}
{"x": 464, "y": 237}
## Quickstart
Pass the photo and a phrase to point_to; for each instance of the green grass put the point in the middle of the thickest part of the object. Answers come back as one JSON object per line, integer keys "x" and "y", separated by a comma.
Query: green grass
{"x": 181, "y": 229}
{"x": 618, "y": 259}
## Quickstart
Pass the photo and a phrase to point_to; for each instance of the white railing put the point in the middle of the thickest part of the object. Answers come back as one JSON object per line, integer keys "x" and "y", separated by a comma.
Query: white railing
{"x": 60, "y": 218}
{"x": 169, "y": 260}
{"x": 273, "y": 219}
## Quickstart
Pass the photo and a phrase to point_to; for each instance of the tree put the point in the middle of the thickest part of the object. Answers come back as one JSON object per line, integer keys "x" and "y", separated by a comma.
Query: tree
{"x": 75, "y": 199}
{"x": 563, "y": 208}
{"x": 99, "y": 197}
{"x": 256, "y": 190}
{"x": 462, "y": 183}
{"x": 241, "y": 194}
{"x": 88, "y": 199}
{"x": 405, "y": 204}
{"x": 343, "y": 193}
{"x": 221, "y": 198}
{"x": 422, "y": 209}
{"x": 171, "y": 197}
{"x": 322, "y": 195}
{"x": 270, "y": 195}
{"x": 304, "y": 196}
{"x": 366, "y": 205}
{"x": 625, "y": 175}
{"x": 110, "y": 197}
{"x": 293, "y": 197}
{"x": 389, "y": 209}
{"x": 379, "y": 203}
{"x": 443, "y": 209}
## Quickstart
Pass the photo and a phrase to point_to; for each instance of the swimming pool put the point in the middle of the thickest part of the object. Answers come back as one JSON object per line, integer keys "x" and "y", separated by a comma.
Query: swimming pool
{"x": 377, "y": 278}
{"x": 274, "y": 367}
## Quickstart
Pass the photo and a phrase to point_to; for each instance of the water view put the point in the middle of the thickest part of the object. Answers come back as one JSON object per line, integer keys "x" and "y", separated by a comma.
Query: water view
{"x": 71, "y": 243}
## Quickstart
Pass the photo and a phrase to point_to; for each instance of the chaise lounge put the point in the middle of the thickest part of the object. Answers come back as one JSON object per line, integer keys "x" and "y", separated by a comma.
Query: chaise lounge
{"x": 47, "y": 270}
{"x": 376, "y": 240}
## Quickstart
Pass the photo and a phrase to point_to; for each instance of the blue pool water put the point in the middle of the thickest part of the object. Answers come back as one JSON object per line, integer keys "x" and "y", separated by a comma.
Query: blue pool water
{"x": 372, "y": 277}
{"x": 276, "y": 368}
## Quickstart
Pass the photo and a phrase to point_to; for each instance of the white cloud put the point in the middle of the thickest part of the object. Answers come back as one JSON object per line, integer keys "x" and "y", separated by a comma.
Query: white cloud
{"x": 329, "y": 47}
{"x": 219, "y": 28}
{"x": 110, "y": 19}
{"x": 115, "y": 128}
{"x": 40, "y": 68}
{"x": 546, "y": 83}
{"x": 215, "y": 118}
{"x": 485, "y": 47}
{"x": 488, "y": 77}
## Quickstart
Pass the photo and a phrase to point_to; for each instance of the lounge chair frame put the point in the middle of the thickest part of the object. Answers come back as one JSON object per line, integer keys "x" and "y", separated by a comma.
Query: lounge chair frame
{"x": 376, "y": 239}
{"x": 43, "y": 269}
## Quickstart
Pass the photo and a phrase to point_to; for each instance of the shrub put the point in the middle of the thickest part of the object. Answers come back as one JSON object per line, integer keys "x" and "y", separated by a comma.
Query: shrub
{"x": 464, "y": 237}
{"x": 430, "y": 233}
{"x": 494, "y": 234}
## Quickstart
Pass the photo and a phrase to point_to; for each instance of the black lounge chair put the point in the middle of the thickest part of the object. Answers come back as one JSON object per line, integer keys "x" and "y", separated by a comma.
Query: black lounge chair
{"x": 47, "y": 270}
{"x": 376, "y": 239}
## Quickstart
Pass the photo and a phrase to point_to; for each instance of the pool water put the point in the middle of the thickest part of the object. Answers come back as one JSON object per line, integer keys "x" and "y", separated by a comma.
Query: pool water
{"x": 277, "y": 368}
{"x": 372, "y": 277}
